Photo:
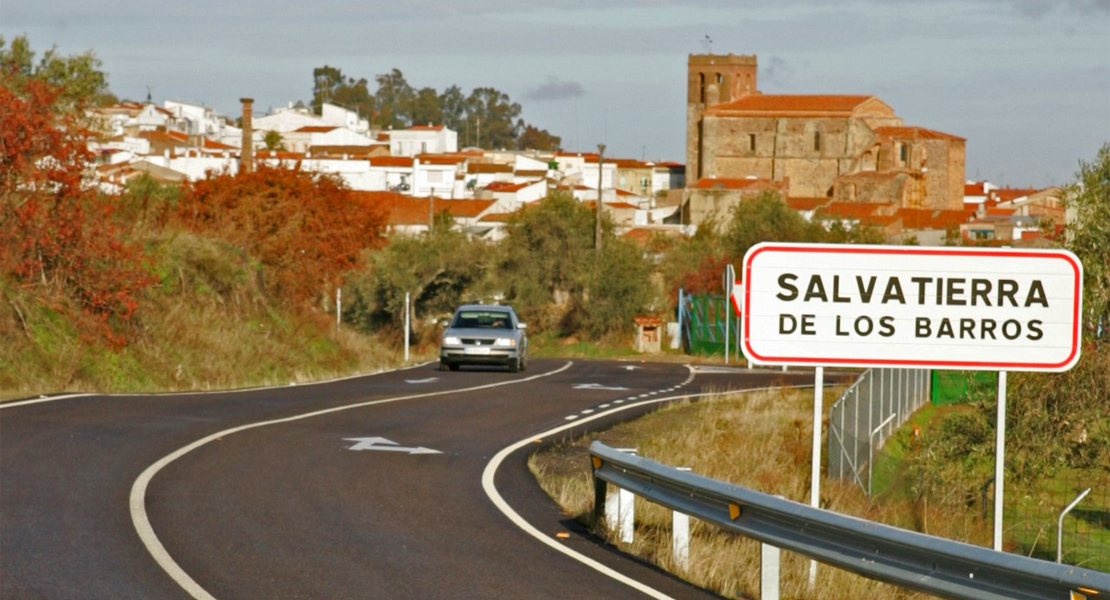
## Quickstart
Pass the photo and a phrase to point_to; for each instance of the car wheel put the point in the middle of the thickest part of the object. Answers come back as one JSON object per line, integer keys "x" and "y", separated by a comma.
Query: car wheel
{"x": 514, "y": 367}
{"x": 523, "y": 363}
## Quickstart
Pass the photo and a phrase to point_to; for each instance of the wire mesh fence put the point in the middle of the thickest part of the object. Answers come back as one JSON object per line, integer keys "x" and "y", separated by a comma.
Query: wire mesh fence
{"x": 1032, "y": 523}
{"x": 866, "y": 414}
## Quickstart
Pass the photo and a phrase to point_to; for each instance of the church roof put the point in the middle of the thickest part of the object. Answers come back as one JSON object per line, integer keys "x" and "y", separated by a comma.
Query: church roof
{"x": 790, "y": 104}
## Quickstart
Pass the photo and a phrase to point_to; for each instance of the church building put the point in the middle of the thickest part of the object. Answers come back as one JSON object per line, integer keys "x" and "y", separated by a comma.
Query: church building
{"x": 834, "y": 148}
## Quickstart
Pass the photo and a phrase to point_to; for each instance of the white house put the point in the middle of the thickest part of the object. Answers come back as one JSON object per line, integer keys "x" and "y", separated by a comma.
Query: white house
{"x": 332, "y": 114}
{"x": 423, "y": 139}
{"x": 286, "y": 119}
{"x": 194, "y": 119}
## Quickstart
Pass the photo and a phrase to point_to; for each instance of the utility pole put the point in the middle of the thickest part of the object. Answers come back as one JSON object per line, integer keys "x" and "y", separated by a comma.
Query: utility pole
{"x": 597, "y": 223}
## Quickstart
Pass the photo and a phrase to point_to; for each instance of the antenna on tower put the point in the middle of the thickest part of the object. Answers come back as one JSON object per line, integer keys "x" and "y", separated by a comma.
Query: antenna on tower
{"x": 707, "y": 43}
{"x": 148, "y": 98}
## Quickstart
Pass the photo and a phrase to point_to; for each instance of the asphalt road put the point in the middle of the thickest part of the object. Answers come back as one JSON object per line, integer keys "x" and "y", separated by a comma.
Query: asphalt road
{"x": 264, "y": 494}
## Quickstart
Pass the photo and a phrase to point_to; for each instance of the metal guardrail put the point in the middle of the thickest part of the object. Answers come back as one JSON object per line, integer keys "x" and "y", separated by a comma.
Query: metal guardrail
{"x": 917, "y": 561}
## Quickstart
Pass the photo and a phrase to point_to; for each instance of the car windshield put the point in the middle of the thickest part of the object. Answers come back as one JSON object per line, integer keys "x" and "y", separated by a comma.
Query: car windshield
{"x": 482, "y": 319}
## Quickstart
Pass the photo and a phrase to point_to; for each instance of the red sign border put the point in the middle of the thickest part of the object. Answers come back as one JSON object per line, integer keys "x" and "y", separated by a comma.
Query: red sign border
{"x": 868, "y": 362}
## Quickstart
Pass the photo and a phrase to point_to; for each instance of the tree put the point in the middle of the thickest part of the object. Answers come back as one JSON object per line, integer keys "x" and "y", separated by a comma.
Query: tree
{"x": 394, "y": 99}
{"x": 437, "y": 270}
{"x": 766, "y": 218}
{"x": 78, "y": 78}
{"x": 55, "y": 232}
{"x": 533, "y": 138}
{"x": 452, "y": 106}
{"x": 329, "y": 85}
{"x": 1088, "y": 235}
{"x": 495, "y": 117}
{"x": 307, "y": 227}
{"x": 273, "y": 141}
{"x": 426, "y": 108}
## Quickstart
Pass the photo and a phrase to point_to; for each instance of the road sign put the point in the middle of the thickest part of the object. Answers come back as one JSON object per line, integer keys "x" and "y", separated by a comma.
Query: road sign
{"x": 729, "y": 278}
{"x": 944, "y": 308}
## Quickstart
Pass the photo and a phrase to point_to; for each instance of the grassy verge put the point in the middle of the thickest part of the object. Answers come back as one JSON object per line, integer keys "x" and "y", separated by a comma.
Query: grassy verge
{"x": 207, "y": 324}
{"x": 762, "y": 441}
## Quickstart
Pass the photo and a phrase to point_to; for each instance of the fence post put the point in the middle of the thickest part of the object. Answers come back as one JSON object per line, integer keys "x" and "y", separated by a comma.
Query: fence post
{"x": 1060, "y": 524}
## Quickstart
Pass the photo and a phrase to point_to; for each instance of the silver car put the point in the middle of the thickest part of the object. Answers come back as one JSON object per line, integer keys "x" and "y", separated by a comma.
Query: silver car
{"x": 484, "y": 334}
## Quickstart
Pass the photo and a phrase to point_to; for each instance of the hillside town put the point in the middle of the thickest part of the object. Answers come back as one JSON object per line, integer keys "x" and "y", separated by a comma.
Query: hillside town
{"x": 835, "y": 158}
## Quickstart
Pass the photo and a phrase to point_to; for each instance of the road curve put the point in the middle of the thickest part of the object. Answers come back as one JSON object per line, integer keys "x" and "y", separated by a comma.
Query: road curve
{"x": 258, "y": 494}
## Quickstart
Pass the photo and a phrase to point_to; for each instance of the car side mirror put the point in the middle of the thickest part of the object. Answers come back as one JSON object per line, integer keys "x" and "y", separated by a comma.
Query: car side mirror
{"x": 522, "y": 326}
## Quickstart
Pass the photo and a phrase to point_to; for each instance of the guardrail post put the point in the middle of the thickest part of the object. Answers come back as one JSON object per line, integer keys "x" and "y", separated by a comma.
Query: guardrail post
{"x": 625, "y": 511}
{"x": 601, "y": 487}
{"x": 769, "y": 572}
{"x": 680, "y": 536}
{"x": 680, "y": 540}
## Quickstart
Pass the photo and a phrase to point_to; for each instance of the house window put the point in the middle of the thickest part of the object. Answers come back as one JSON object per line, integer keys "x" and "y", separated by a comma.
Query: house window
{"x": 903, "y": 153}
{"x": 751, "y": 142}
{"x": 816, "y": 141}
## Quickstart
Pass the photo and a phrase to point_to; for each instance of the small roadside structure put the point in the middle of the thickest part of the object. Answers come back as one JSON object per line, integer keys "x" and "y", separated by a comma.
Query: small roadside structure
{"x": 648, "y": 336}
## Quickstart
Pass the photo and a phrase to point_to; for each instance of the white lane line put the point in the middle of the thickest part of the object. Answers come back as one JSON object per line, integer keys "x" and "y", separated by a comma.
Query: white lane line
{"x": 138, "y": 490}
{"x": 206, "y": 392}
{"x": 603, "y": 406}
{"x": 571, "y": 417}
{"x": 491, "y": 491}
{"x": 618, "y": 401}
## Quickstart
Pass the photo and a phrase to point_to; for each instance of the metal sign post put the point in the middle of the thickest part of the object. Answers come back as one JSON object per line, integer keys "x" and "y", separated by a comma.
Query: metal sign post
{"x": 981, "y": 309}
{"x": 730, "y": 282}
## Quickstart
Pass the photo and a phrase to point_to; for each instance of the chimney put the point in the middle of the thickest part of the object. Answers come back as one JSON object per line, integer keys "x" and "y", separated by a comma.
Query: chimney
{"x": 246, "y": 162}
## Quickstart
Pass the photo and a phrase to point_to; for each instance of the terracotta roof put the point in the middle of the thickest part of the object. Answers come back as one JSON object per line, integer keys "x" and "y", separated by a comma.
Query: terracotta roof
{"x": 806, "y": 203}
{"x": 1000, "y": 211}
{"x": 488, "y": 168}
{"x": 504, "y": 186}
{"x": 165, "y": 137}
{"x": 214, "y": 145}
{"x": 530, "y": 173}
{"x": 403, "y": 210}
{"x": 624, "y": 205}
{"x": 315, "y": 129}
{"x": 426, "y": 128}
{"x": 917, "y": 133}
{"x": 851, "y": 210}
{"x": 735, "y": 184}
{"x": 1007, "y": 194}
{"x": 441, "y": 159}
{"x": 786, "y": 103}
{"x": 977, "y": 188}
{"x": 391, "y": 161}
{"x": 926, "y": 218}
{"x": 496, "y": 218}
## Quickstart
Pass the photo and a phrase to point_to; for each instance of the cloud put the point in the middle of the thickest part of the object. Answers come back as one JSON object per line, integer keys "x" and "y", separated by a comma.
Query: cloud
{"x": 555, "y": 89}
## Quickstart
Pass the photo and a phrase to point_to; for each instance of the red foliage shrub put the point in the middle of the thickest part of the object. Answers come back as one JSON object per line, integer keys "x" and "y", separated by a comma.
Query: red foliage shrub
{"x": 306, "y": 228}
{"x": 707, "y": 278}
{"x": 54, "y": 229}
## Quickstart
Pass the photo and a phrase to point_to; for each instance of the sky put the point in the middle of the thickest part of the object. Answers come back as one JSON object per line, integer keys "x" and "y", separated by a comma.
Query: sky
{"x": 1026, "y": 82}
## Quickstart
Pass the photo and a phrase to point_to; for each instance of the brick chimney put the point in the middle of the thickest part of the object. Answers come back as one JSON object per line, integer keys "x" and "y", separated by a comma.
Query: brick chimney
{"x": 246, "y": 162}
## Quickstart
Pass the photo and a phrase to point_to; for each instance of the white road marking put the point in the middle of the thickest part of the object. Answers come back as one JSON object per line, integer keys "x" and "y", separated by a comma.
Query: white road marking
{"x": 426, "y": 380}
{"x": 571, "y": 418}
{"x": 598, "y": 386}
{"x": 587, "y": 411}
{"x": 382, "y": 444}
{"x": 138, "y": 490}
{"x": 495, "y": 497}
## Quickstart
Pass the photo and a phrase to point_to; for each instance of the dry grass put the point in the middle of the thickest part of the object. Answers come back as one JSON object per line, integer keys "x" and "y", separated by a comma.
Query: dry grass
{"x": 207, "y": 325}
{"x": 761, "y": 441}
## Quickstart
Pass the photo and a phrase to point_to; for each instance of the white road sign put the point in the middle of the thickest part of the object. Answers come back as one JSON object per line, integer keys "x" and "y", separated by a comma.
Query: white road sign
{"x": 943, "y": 308}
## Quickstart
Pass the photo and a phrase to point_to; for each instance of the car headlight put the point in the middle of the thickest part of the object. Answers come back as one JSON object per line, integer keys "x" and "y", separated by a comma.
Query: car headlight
{"x": 504, "y": 342}
{"x": 452, "y": 341}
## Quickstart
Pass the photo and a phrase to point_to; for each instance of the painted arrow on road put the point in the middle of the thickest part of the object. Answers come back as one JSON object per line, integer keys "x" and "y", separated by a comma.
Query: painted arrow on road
{"x": 380, "y": 443}
{"x": 428, "y": 380}
{"x": 597, "y": 386}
